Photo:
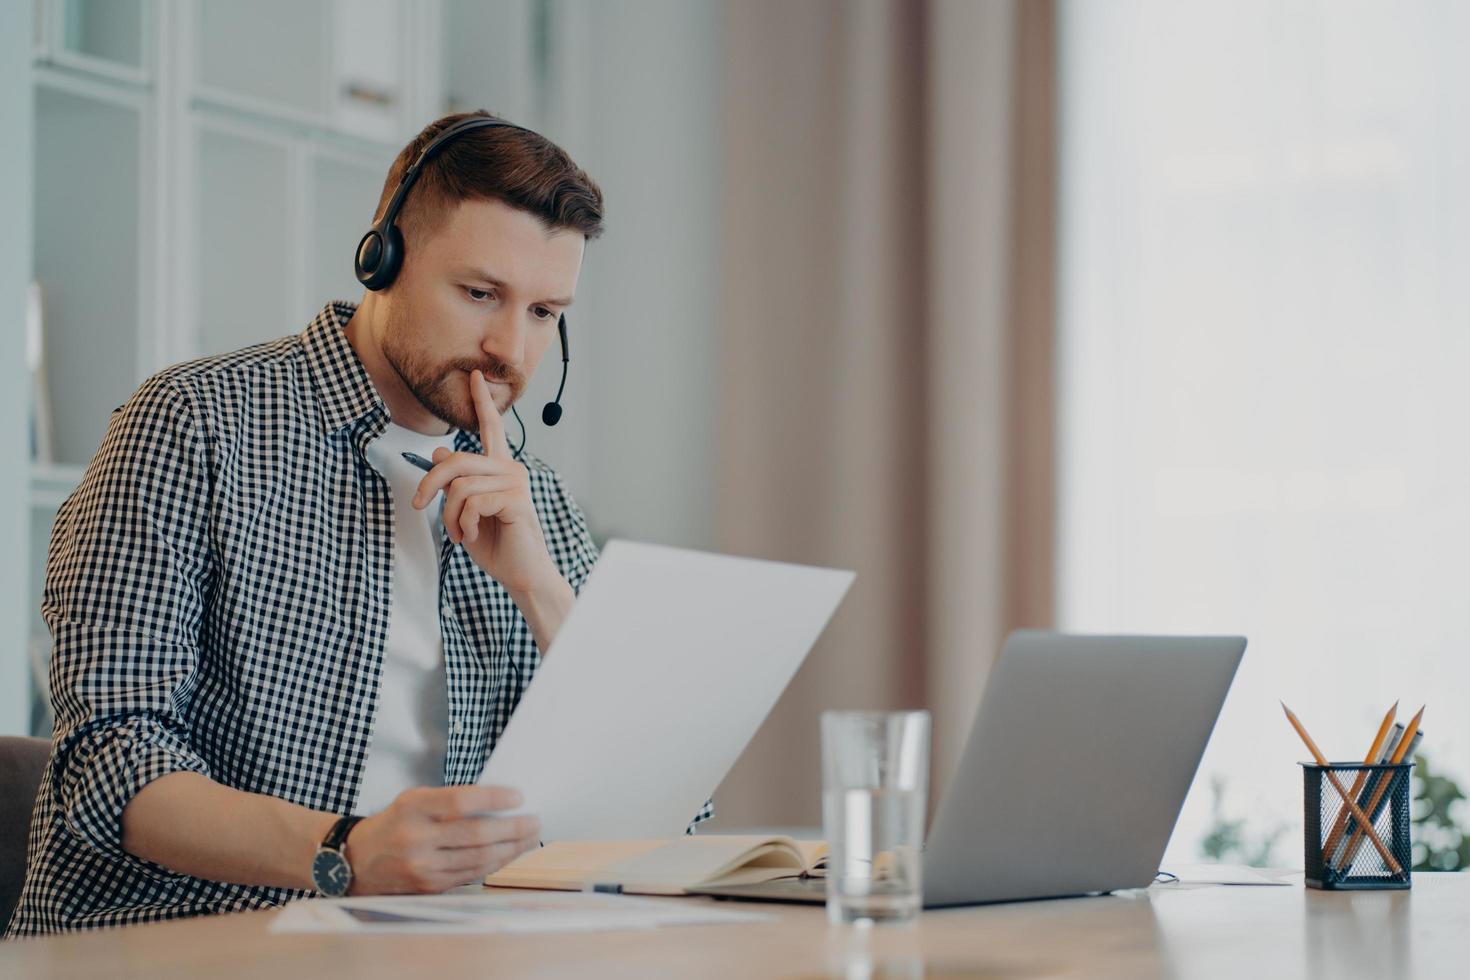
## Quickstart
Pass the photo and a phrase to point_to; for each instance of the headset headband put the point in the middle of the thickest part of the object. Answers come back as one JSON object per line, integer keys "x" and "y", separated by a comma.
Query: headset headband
{"x": 411, "y": 175}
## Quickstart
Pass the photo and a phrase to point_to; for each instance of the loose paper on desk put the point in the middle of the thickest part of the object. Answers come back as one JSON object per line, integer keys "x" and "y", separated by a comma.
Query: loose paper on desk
{"x": 660, "y": 675}
{"x": 1223, "y": 874}
{"x": 490, "y": 912}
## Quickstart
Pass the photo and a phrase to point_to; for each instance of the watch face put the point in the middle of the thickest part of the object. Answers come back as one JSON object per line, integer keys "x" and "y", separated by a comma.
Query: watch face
{"x": 331, "y": 873}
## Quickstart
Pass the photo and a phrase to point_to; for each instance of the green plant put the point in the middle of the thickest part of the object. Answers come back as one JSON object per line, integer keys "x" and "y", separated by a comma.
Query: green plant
{"x": 1230, "y": 841}
{"x": 1441, "y": 843}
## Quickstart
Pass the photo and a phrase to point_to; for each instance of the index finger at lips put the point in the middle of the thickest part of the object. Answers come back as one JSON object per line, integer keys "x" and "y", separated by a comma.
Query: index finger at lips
{"x": 492, "y": 431}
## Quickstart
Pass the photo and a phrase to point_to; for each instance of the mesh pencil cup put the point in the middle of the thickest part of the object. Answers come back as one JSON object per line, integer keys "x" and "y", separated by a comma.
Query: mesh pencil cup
{"x": 1338, "y": 854}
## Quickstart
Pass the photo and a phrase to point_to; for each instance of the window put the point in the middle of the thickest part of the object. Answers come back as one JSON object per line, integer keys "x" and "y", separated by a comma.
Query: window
{"x": 1265, "y": 349}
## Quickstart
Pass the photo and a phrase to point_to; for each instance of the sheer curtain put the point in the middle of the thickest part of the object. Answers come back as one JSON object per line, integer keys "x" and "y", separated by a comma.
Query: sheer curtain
{"x": 1263, "y": 348}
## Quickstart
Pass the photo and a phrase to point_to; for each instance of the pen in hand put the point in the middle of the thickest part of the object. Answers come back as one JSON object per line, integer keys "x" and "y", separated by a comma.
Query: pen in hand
{"x": 419, "y": 461}
{"x": 424, "y": 464}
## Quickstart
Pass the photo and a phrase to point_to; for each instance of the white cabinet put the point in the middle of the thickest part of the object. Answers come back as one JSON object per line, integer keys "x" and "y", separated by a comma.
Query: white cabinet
{"x": 339, "y": 64}
{"x": 105, "y": 34}
{"x": 243, "y": 255}
{"x": 368, "y": 86}
{"x": 277, "y": 220}
{"x": 264, "y": 55}
{"x": 295, "y": 110}
{"x": 88, "y": 256}
{"x": 205, "y": 168}
{"x": 344, "y": 191}
{"x": 495, "y": 57}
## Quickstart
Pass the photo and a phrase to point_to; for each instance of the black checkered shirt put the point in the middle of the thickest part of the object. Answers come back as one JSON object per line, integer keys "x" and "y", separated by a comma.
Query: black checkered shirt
{"x": 218, "y": 594}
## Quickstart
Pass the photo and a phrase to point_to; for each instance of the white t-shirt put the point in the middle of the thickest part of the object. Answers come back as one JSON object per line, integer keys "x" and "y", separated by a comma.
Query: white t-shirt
{"x": 412, "y": 723}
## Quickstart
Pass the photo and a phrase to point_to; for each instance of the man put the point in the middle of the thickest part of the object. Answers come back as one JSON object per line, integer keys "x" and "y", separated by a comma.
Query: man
{"x": 268, "y": 623}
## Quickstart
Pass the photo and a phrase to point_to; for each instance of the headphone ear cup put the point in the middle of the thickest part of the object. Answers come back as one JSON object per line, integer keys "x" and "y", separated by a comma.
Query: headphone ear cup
{"x": 368, "y": 257}
{"x": 379, "y": 256}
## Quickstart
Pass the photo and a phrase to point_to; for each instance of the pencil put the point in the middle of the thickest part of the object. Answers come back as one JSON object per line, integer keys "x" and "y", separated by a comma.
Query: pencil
{"x": 1341, "y": 823}
{"x": 1355, "y": 842}
{"x": 1362, "y": 818}
{"x": 1334, "y": 860}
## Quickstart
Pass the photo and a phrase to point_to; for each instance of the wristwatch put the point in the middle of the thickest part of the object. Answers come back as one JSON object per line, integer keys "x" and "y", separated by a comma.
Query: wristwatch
{"x": 330, "y": 872}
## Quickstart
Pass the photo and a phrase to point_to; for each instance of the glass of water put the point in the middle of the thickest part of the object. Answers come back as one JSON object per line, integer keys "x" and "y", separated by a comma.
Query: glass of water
{"x": 875, "y": 779}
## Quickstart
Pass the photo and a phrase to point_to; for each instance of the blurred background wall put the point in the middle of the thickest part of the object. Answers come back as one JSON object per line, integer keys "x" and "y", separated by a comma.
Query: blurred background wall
{"x": 1145, "y": 315}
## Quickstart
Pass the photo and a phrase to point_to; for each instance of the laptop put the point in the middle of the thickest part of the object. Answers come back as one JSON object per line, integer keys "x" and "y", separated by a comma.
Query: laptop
{"x": 1074, "y": 772}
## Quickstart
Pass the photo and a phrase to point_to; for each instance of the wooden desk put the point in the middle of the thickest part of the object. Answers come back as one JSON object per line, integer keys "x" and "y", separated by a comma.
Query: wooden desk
{"x": 1167, "y": 931}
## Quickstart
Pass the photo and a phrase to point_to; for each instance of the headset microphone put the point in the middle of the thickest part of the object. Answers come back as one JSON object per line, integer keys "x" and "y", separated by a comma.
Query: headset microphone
{"x": 551, "y": 413}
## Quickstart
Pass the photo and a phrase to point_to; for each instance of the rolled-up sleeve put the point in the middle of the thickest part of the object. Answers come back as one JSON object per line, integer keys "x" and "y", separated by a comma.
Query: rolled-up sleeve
{"x": 128, "y": 570}
{"x": 580, "y": 551}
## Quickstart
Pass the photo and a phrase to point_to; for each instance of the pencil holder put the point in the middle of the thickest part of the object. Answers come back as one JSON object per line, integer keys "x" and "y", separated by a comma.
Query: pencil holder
{"x": 1339, "y": 855}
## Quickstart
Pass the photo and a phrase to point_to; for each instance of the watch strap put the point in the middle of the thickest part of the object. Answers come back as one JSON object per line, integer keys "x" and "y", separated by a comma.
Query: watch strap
{"x": 337, "y": 836}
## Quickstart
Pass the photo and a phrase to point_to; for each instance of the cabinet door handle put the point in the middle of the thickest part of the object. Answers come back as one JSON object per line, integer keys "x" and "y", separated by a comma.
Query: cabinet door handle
{"x": 360, "y": 92}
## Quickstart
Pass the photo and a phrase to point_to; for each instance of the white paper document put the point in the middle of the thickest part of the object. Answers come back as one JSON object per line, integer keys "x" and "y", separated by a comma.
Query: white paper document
{"x": 497, "y": 912}
{"x": 665, "y": 668}
{"x": 1223, "y": 874}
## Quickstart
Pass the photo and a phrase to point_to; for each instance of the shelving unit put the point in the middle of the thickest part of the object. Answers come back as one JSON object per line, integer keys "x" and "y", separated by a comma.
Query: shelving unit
{"x": 631, "y": 91}
{"x": 203, "y": 170}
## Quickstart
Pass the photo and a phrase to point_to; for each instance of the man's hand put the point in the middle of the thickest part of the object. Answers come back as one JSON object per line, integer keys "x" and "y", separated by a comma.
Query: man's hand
{"x": 434, "y": 838}
{"x": 487, "y": 502}
{"x": 488, "y": 508}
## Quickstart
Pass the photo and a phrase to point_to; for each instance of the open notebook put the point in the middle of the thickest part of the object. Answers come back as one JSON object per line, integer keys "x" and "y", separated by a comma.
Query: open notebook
{"x": 663, "y": 867}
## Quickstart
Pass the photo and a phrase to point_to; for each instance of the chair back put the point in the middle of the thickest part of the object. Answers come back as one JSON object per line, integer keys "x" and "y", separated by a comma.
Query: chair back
{"x": 22, "y": 763}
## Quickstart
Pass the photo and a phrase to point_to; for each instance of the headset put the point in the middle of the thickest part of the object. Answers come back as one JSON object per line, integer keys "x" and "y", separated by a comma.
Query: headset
{"x": 380, "y": 252}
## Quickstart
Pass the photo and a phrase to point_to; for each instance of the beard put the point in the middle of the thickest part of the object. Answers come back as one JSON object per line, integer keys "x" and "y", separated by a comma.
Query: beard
{"x": 443, "y": 386}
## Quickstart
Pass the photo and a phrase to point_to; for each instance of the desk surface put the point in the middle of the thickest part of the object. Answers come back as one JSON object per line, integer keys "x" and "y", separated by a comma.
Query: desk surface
{"x": 1168, "y": 930}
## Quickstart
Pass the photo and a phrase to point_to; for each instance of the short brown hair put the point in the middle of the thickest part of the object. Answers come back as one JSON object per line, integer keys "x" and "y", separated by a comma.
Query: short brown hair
{"x": 524, "y": 169}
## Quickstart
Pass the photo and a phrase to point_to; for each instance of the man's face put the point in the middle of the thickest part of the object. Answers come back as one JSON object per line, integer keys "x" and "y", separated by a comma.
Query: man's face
{"x": 482, "y": 290}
